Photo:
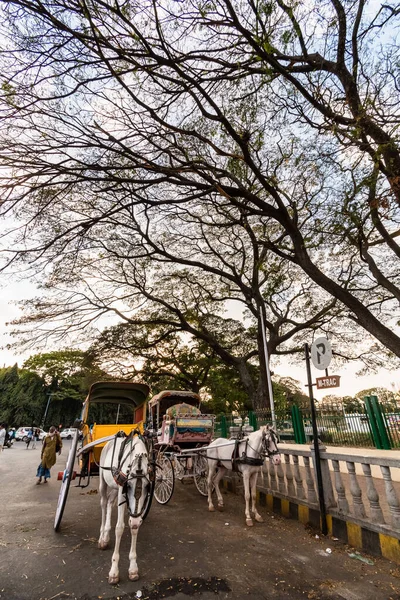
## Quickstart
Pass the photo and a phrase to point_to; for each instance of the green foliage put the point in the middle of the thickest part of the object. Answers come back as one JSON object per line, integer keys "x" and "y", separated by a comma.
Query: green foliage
{"x": 389, "y": 400}
{"x": 225, "y": 391}
{"x": 287, "y": 391}
{"x": 67, "y": 375}
{"x": 22, "y": 397}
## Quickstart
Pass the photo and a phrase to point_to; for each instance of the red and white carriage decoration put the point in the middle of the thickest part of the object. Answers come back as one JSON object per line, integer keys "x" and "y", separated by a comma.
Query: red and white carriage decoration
{"x": 181, "y": 429}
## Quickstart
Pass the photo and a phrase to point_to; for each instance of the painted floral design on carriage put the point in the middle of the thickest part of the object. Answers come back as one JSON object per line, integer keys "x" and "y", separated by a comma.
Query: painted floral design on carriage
{"x": 182, "y": 428}
{"x": 184, "y": 423}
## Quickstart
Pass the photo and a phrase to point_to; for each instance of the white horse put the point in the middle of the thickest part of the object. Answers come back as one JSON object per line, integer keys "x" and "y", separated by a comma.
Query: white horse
{"x": 124, "y": 475}
{"x": 245, "y": 456}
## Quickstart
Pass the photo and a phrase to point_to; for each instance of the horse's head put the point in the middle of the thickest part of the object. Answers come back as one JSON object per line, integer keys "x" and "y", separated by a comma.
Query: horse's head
{"x": 135, "y": 479}
{"x": 270, "y": 444}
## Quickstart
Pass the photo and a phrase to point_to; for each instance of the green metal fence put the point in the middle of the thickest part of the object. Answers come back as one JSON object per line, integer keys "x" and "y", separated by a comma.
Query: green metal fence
{"x": 373, "y": 426}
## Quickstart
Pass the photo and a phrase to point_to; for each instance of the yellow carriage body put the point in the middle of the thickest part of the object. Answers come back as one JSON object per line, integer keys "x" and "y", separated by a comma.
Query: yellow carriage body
{"x": 121, "y": 393}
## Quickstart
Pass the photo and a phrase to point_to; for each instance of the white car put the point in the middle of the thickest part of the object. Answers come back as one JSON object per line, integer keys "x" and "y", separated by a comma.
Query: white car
{"x": 68, "y": 433}
{"x": 22, "y": 433}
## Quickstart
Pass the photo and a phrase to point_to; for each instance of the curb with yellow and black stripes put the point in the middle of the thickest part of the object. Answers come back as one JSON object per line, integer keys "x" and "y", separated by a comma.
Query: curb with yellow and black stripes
{"x": 348, "y": 531}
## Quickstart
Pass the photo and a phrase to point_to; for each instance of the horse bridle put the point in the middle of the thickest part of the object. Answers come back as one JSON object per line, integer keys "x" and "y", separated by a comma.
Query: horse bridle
{"x": 274, "y": 438}
{"x": 122, "y": 478}
{"x": 262, "y": 453}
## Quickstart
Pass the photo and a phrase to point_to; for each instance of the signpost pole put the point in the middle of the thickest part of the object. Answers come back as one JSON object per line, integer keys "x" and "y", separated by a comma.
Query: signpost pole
{"x": 322, "y": 507}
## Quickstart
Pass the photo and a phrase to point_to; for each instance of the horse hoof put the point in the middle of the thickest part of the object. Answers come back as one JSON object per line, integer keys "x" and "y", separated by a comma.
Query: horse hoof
{"x": 134, "y": 576}
{"x": 220, "y": 507}
{"x": 102, "y": 545}
{"x": 249, "y": 522}
{"x": 113, "y": 580}
{"x": 259, "y": 519}
{"x": 211, "y": 509}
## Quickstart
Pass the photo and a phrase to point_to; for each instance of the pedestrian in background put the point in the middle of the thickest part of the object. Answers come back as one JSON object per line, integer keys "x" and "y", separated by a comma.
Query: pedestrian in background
{"x": 35, "y": 438}
{"x": 52, "y": 444}
{"x": 2, "y": 436}
{"x": 29, "y": 437}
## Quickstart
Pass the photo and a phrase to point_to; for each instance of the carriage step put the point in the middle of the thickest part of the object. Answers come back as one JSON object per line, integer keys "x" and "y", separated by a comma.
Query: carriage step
{"x": 60, "y": 475}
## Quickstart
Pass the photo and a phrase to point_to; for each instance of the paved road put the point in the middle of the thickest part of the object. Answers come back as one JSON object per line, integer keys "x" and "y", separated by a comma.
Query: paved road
{"x": 183, "y": 551}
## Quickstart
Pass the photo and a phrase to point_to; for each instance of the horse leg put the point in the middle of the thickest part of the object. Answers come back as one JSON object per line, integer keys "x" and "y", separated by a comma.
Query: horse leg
{"x": 253, "y": 488}
{"x": 220, "y": 473}
{"x": 103, "y": 543}
{"x": 212, "y": 466}
{"x": 134, "y": 524}
{"x": 113, "y": 576}
{"x": 246, "y": 484}
{"x": 107, "y": 503}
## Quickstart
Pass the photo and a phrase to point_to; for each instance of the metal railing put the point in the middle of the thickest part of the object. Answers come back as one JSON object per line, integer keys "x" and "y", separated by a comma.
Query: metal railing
{"x": 372, "y": 426}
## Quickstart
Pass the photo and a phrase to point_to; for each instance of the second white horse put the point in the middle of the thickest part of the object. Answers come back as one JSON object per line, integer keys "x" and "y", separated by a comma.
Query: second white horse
{"x": 245, "y": 456}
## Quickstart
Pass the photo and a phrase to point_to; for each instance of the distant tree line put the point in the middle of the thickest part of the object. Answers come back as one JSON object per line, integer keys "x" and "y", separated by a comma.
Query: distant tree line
{"x": 61, "y": 380}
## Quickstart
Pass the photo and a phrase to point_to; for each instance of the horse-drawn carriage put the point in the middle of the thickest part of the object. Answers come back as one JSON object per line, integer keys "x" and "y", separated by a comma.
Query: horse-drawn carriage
{"x": 125, "y": 404}
{"x": 137, "y": 455}
{"x": 170, "y": 422}
{"x": 182, "y": 427}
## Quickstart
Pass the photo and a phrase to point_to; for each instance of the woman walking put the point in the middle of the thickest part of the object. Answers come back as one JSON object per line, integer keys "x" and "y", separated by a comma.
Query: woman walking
{"x": 51, "y": 445}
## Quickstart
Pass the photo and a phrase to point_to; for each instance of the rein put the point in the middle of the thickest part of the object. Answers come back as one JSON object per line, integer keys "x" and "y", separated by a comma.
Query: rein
{"x": 122, "y": 478}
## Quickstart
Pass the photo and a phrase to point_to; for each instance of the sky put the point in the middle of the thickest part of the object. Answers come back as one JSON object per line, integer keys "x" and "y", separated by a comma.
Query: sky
{"x": 11, "y": 292}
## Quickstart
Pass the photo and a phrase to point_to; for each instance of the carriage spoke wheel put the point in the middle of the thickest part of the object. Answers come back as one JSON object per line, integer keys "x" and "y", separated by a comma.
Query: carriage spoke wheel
{"x": 179, "y": 468}
{"x": 66, "y": 481}
{"x": 200, "y": 474}
{"x": 165, "y": 479}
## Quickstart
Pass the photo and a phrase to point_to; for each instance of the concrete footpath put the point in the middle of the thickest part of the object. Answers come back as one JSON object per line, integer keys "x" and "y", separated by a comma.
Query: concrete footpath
{"x": 183, "y": 550}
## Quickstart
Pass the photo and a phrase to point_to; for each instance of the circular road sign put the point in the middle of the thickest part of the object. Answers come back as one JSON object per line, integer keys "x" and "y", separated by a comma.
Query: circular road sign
{"x": 321, "y": 353}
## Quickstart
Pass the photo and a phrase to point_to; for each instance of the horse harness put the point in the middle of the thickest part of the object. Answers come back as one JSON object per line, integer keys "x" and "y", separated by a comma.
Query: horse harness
{"x": 253, "y": 461}
{"x": 122, "y": 478}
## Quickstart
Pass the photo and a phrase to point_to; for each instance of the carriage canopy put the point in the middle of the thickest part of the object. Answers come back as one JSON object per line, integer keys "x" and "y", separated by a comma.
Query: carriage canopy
{"x": 129, "y": 399}
{"x": 118, "y": 392}
{"x": 165, "y": 400}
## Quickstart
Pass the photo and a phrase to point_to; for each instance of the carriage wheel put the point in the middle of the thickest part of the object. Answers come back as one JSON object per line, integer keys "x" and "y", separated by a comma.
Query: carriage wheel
{"x": 66, "y": 480}
{"x": 165, "y": 479}
{"x": 179, "y": 469}
{"x": 200, "y": 474}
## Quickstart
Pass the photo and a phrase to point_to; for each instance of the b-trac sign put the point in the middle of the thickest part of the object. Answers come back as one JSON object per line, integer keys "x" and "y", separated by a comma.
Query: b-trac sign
{"x": 329, "y": 381}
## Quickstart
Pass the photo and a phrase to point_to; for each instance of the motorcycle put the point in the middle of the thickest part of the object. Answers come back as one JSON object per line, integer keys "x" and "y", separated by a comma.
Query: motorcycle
{"x": 8, "y": 443}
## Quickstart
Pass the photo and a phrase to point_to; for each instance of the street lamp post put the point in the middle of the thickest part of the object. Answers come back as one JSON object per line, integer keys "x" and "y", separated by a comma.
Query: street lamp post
{"x": 45, "y": 412}
{"x": 269, "y": 381}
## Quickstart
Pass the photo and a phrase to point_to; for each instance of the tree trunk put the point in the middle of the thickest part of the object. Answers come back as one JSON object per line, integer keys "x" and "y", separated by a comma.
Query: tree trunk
{"x": 247, "y": 381}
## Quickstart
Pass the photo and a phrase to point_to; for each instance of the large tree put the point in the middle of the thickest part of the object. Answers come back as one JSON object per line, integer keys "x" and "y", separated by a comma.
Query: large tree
{"x": 165, "y": 359}
{"x": 112, "y": 112}
{"x": 66, "y": 375}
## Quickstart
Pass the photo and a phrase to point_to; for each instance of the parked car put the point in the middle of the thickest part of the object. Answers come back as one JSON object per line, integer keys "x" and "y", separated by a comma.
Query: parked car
{"x": 308, "y": 430}
{"x": 68, "y": 433}
{"x": 22, "y": 433}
